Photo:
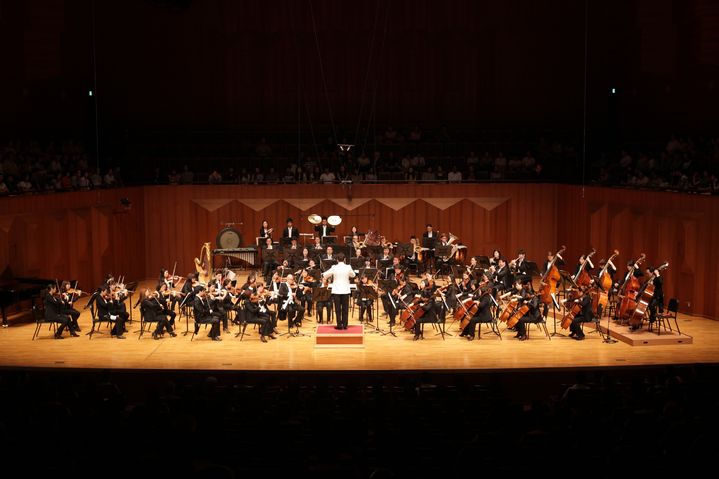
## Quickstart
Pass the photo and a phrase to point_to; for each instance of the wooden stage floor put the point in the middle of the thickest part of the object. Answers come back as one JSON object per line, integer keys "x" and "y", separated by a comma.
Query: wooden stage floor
{"x": 380, "y": 352}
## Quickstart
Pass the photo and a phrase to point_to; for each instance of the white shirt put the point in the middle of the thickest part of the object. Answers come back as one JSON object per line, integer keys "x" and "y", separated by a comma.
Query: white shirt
{"x": 341, "y": 274}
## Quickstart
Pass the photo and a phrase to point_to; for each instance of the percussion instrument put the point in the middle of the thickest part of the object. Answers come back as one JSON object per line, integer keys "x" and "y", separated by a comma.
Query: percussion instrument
{"x": 315, "y": 219}
{"x": 334, "y": 220}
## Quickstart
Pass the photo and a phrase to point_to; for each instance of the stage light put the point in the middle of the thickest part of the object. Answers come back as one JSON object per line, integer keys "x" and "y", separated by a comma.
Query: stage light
{"x": 614, "y": 91}
{"x": 89, "y": 93}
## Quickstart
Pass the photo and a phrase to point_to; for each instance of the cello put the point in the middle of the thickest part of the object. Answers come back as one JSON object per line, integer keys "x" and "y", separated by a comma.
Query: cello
{"x": 645, "y": 296}
{"x": 582, "y": 278}
{"x": 604, "y": 281}
{"x": 550, "y": 278}
{"x": 628, "y": 290}
{"x": 573, "y": 310}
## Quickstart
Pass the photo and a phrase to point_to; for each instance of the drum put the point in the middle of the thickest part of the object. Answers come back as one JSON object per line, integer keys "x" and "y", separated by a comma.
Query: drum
{"x": 228, "y": 238}
{"x": 460, "y": 254}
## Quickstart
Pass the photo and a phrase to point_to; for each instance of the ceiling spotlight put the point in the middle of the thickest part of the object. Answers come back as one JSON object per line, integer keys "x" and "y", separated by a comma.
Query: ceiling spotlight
{"x": 344, "y": 147}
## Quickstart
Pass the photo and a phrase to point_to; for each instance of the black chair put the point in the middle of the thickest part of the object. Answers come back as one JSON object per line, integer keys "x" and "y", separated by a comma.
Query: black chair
{"x": 662, "y": 319}
{"x": 39, "y": 315}
{"x": 97, "y": 321}
{"x": 143, "y": 323}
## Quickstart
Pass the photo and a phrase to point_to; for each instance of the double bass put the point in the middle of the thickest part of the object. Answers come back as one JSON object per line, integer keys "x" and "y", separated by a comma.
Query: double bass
{"x": 550, "y": 278}
{"x": 645, "y": 297}
{"x": 582, "y": 278}
{"x": 628, "y": 290}
{"x": 604, "y": 281}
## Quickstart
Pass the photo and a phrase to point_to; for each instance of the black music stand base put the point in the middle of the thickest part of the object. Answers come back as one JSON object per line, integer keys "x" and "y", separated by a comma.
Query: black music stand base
{"x": 295, "y": 333}
{"x": 554, "y": 313}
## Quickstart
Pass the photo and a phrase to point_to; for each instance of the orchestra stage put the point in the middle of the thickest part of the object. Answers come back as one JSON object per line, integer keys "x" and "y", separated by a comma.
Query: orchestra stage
{"x": 380, "y": 352}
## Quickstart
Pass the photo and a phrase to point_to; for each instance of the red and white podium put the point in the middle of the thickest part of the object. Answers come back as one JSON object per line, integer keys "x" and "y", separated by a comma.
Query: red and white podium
{"x": 326, "y": 336}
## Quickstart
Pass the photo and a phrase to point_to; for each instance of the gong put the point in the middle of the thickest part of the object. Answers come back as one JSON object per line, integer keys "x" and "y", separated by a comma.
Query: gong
{"x": 229, "y": 238}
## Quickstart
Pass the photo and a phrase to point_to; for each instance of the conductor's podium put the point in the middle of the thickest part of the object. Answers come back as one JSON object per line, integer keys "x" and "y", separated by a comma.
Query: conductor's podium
{"x": 327, "y": 336}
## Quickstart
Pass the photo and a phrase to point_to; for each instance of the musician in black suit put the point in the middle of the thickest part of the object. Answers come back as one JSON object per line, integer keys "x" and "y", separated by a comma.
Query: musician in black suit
{"x": 69, "y": 297}
{"x": 328, "y": 259}
{"x": 54, "y": 307}
{"x": 205, "y": 315}
{"x": 584, "y": 316}
{"x": 109, "y": 308}
{"x": 290, "y": 231}
{"x": 258, "y": 313}
{"x": 533, "y": 313}
{"x": 657, "y": 301}
{"x": 153, "y": 311}
{"x": 502, "y": 278}
{"x": 429, "y": 240}
{"x": 482, "y": 315}
{"x": 519, "y": 265}
{"x": 324, "y": 229}
{"x": 432, "y": 306}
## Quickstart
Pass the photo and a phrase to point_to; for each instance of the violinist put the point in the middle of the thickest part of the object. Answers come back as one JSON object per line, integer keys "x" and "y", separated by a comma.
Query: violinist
{"x": 367, "y": 295}
{"x": 483, "y": 313}
{"x": 584, "y": 316}
{"x": 531, "y": 300}
{"x": 308, "y": 283}
{"x": 154, "y": 311}
{"x": 292, "y": 308}
{"x": 54, "y": 307}
{"x": 259, "y": 313}
{"x": 466, "y": 287}
{"x": 324, "y": 301}
{"x": 162, "y": 297}
{"x": 170, "y": 281}
{"x": 433, "y": 307}
{"x": 205, "y": 314}
{"x": 69, "y": 296}
{"x": 119, "y": 295}
{"x": 108, "y": 309}
{"x": 217, "y": 296}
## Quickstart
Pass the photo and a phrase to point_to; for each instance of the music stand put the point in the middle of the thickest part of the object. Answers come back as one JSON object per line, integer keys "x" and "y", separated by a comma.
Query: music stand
{"x": 388, "y": 285}
{"x": 384, "y": 265}
{"x": 341, "y": 248}
{"x": 304, "y": 236}
{"x": 327, "y": 263}
{"x": 329, "y": 239}
{"x": 260, "y": 239}
{"x": 440, "y": 252}
{"x": 367, "y": 291}
{"x": 429, "y": 242}
{"x": 285, "y": 241}
{"x": 357, "y": 264}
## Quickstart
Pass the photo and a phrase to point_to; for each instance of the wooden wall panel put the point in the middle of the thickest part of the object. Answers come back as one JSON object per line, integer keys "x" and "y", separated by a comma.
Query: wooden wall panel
{"x": 87, "y": 234}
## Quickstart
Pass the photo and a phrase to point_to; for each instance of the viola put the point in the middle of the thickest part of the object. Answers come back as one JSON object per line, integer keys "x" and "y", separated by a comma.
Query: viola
{"x": 551, "y": 277}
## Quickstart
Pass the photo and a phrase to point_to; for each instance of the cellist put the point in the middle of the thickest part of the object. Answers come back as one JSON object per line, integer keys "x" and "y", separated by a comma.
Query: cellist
{"x": 584, "y": 316}
{"x": 532, "y": 315}
{"x": 483, "y": 313}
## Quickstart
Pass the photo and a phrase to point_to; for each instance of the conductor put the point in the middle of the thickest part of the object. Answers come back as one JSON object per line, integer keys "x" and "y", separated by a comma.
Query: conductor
{"x": 341, "y": 274}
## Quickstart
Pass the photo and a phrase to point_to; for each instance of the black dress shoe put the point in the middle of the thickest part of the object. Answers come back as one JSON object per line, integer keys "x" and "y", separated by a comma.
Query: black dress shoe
{"x": 58, "y": 336}
{"x": 74, "y": 334}
{"x": 120, "y": 336}
{"x": 217, "y": 338}
{"x": 470, "y": 337}
{"x": 173, "y": 334}
{"x": 338, "y": 327}
{"x": 78, "y": 330}
{"x": 579, "y": 338}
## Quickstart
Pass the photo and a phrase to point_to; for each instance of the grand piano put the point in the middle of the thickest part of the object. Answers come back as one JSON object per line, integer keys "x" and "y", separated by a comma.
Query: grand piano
{"x": 14, "y": 290}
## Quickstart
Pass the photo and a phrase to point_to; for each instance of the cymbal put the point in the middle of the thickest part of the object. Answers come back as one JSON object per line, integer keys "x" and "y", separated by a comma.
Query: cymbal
{"x": 334, "y": 220}
{"x": 315, "y": 219}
